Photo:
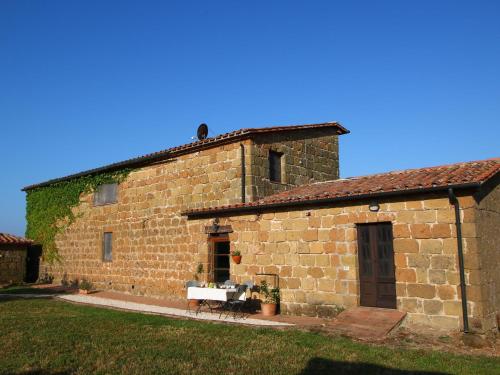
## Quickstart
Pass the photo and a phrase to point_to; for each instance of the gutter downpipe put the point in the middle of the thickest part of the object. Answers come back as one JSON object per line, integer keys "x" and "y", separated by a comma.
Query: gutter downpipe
{"x": 456, "y": 204}
{"x": 243, "y": 174}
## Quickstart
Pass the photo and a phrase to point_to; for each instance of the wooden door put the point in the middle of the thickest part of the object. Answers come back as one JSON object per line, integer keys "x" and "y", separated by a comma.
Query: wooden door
{"x": 219, "y": 254}
{"x": 376, "y": 265}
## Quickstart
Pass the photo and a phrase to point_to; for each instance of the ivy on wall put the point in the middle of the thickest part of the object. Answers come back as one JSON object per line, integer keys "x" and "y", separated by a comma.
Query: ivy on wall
{"x": 49, "y": 209}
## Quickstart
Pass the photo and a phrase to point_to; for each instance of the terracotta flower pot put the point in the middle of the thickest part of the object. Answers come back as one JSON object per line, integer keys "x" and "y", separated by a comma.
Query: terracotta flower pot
{"x": 194, "y": 303}
{"x": 268, "y": 309}
{"x": 236, "y": 259}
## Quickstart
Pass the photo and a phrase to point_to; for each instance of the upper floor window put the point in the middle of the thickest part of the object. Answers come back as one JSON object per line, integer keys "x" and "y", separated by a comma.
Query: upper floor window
{"x": 105, "y": 194}
{"x": 275, "y": 166}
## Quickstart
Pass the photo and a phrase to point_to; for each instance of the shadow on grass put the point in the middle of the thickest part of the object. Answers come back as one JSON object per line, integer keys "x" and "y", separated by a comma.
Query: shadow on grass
{"x": 28, "y": 292}
{"x": 319, "y": 366}
{"x": 44, "y": 372}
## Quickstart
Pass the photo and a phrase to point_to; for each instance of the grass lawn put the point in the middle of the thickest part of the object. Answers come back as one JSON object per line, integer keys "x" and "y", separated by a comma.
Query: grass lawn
{"x": 43, "y": 336}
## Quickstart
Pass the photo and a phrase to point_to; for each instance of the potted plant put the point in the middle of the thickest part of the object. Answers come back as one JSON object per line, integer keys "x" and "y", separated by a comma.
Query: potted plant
{"x": 270, "y": 299}
{"x": 236, "y": 255}
{"x": 199, "y": 271}
{"x": 85, "y": 287}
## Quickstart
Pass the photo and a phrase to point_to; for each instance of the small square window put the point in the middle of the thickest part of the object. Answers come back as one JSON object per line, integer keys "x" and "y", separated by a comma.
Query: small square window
{"x": 107, "y": 247}
{"x": 105, "y": 194}
{"x": 275, "y": 166}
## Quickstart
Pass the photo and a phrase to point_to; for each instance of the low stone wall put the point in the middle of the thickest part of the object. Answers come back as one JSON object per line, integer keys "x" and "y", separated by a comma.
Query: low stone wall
{"x": 12, "y": 264}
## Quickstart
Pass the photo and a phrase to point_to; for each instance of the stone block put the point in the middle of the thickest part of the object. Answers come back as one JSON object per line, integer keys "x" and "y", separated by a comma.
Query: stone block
{"x": 406, "y": 275}
{"x": 442, "y": 262}
{"x": 405, "y": 245}
{"x": 436, "y": 203}
{"x": 428, "y": 216}
{"x": 431, "y": 246}
{"x": 453, "y": 308}
{"x": 315, "y": 272}
{"x": 326, "y": 285}
{"x": 437, "y": 276}
{"x": 401, "y": 231}
{"x": 322, "y": 260}
{"x": 299, "y": 271}
{"x": 445, "y": 322}
{"x": 421, "y": 290}
{"x": 307, "y": 260}
{"x": 446, "y": 292}
{"x": 414, "y": 205}
{"x": 433, "y": 307}
{"x": 420, "y": 231}
{"x": 308, "y": 283}
{"x": 293, "y": 283}
{"x": 419, "y": 260}
{"x": 409, "y": 305}
{"x": 400, "y": 260}
{"x": 441, "y": 230}
{"x": 469, "y": 230}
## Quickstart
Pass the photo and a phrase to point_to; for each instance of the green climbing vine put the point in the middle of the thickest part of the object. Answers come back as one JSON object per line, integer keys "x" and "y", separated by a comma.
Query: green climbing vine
{"x": 49, "y": 209}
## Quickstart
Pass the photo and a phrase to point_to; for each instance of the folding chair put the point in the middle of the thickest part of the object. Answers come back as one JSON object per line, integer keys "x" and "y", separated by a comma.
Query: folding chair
{"x": 235, "y": 304}
{"x": 189, "y": 284}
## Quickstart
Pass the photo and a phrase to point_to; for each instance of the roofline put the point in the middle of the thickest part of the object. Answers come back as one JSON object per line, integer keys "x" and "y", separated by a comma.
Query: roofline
{"x": 321, "y": 201}
{"x": 222, "y": 139}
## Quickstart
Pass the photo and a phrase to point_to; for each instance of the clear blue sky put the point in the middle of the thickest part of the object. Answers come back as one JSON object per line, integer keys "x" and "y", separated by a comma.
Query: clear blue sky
{"x": 87, "y": 83}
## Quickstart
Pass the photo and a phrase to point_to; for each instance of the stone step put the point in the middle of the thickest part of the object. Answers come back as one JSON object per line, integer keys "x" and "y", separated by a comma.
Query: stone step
{"x": 367, "y": 322}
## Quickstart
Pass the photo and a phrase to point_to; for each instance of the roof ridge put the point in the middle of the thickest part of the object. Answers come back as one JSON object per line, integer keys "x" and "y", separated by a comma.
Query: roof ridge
{"x": 400, "y": 171}
{"x": 166, "y": 153}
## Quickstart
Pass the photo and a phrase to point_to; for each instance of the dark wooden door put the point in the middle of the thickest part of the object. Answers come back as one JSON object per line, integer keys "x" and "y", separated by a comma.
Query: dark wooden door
{"x": 376, "y": 265}
{"x": 33, "y": 254}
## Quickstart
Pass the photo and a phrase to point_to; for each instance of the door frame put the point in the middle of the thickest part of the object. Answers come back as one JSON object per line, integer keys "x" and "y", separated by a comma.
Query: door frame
{"x": 372, "y": 287}
{"x": 212, "y": 240}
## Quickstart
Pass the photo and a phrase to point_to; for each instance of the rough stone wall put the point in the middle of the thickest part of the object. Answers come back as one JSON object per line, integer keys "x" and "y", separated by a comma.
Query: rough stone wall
{"x": 151, "y": 251}
{"x": 154, "y": 252}
{"x": 12, "y": 264}
{"x": 487, "y": 245}
{"x": 309, "y": 156}
{"x": 314, "y": 252}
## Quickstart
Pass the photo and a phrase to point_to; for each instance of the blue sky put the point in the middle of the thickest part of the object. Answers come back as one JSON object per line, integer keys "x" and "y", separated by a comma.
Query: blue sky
{"x": 87, "y": 83}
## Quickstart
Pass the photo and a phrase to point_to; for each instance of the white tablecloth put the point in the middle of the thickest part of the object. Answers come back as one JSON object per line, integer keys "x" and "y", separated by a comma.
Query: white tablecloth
{"x": 213, "y": 294}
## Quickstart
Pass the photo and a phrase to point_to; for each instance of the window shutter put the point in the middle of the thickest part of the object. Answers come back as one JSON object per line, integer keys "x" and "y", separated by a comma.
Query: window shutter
{"x": 105, "y": 194}
{"x": 108, "y": 246}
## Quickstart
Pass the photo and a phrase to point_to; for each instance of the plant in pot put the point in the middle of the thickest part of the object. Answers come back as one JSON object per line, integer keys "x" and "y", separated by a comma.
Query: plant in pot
{"x": 197, "y": 275}
{"x": 236, "y": 255}
{"x": 270, "y": 298}
{"x": 85, "y": 287}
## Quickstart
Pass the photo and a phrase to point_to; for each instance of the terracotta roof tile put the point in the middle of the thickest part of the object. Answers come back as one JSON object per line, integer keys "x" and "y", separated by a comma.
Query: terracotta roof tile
{"x": 10, "y": 239}
{"x": 414, "y": 180}
{"x": 192, "y": 147}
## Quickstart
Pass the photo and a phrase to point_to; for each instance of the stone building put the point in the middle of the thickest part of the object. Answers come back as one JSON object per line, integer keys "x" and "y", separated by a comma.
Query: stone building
{"x": 274, "y": 194}
{"x": 13, "y": 253}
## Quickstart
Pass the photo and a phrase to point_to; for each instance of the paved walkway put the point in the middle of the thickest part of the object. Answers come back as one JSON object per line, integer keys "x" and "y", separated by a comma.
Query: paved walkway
{"x": 133, "y": 306}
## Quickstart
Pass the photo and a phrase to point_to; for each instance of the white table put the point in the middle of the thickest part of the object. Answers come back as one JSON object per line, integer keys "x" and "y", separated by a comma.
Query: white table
{"x": 214, "y": 294}
{"x": 219, "y": 295}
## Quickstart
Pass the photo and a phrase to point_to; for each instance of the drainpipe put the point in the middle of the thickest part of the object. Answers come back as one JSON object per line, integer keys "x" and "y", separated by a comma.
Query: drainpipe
{"x": 456, "y": 204}
{"x": 243, "y": 173}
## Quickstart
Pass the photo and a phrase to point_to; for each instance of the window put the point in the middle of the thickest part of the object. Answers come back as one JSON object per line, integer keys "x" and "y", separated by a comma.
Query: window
{"x": 105, "y": 194}
{"x": 275, "y": 166}
{"x": 221, "y": 261}
{"x": 107, "y": 247}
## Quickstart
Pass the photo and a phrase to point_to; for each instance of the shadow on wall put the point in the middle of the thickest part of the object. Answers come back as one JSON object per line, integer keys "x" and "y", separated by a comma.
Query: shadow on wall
{"x": 318, "y": 366}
